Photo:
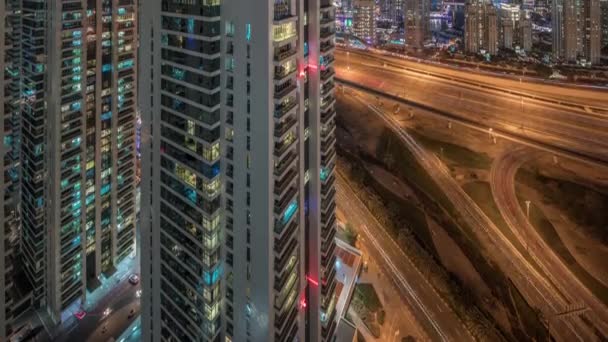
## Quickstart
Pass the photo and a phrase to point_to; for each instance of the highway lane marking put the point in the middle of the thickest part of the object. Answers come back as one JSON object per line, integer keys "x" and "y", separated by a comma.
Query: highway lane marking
{"x": 471, "y": 209}
{"x": 396, "y": 246}
{"x": 512, "y": 136}
{"x": 477, "y": 84}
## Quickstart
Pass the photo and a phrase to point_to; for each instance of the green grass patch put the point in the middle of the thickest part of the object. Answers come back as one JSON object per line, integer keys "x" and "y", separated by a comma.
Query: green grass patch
{"x": 582, "y": 205}
{"x": 367, "y": 305}
{"x": 552, "y": 238}
{"x": 533, "y": 327}
{"x": 457, "y": 154}
{"x": 403, "y": 209}
{"x": 481, "y": 193}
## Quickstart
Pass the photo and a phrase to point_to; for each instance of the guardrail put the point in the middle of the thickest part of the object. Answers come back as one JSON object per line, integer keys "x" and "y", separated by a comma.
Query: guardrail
{"x": 569, "y": 153}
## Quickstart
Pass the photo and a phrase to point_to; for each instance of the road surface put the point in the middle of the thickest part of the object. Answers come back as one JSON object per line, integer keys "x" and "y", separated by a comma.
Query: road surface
{"x": 572, "y": 129}
{"x": 431, "y": 311}
{"x": 577, "y": 95}
{"x": 533, "y": 283}
{"x": 121, "y": 301}
{"x": 502, "y": 181}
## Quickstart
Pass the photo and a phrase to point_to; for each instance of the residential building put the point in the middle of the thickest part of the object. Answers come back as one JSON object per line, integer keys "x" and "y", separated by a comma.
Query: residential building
{"x": 524, "y": 32}
{"x": 481, "y": 27}
{"x": 238, "y": 159}
{"x": 491, "y": 30}
{"x": 364, "y": 20}
{"x": 506, "y": 32}
{"x": 577, "y": 30}
{"x": 604, "y": 21}
{"x": 416, "y": 22}
{"x": 520, "y": 26}
{"x": 10, "y": 51}
{"x": 78, "y": 113}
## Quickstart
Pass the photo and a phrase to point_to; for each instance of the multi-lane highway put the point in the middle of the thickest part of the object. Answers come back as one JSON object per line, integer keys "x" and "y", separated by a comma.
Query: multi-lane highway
{"x": 502, "y": 180}
{"x": 437, "y": 318}
{"x": 591, "y": 97}
{"x": 538, "y": 289}
{"x": 579, "y": 126}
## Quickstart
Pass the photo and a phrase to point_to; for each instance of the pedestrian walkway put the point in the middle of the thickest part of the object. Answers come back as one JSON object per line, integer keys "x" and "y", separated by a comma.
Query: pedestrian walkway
{"x": 133, "y": 333}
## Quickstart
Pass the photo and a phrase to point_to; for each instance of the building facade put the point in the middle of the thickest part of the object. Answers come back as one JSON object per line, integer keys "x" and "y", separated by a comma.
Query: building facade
{"x": 10, "y": 53}
{"x": 364, "y": 20}
{"x": 577, "y": 30}
{"x": 604, "y": 21}
{"x": 481, "y": 27}
{"x": 416, "y": 22}
{"x": 77, "y": 131}
{"x": 238, "y": 159}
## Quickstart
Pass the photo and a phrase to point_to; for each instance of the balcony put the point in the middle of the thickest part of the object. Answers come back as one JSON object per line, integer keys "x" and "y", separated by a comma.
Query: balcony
{"x": 282, "y": 13}
{"x": 280, "y": 129}
{"x": 327, "y": 74}
{"x": 281, "y": 205}
{"x": 283, "y": 90}
{"x": 284, "y": 52}
{"x": 285, "y": 164}
{"x": 281, "y": 147}
{"x": 327, "y": 47}
{"x": 326, "y": 34}
{"x": 284, "y": 108}
{"x": 280, "y": 185}
{"x": 281, "y": 73}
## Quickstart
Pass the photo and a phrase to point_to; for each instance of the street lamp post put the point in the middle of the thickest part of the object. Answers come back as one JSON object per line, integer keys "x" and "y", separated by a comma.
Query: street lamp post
{"x": 528, "y": 210}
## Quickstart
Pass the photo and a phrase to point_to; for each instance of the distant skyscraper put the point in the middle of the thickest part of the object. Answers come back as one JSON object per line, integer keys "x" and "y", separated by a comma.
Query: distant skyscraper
{"x": 491, "y": 29}
{"x": 10, "y": 50}
{"x": 577, "y": 30}
{"x": 481, "y": 27}
{"x": 604, "y": 21}
{"x": 78, "y": 197}
{"x": 416, "y": 22}
{"x": 507, "y": 34}
{"x": 238, "y": 168}
{"x": 364, "y": 21}
{"x": 524, "y": 31}
{"x": 520, "y": 25}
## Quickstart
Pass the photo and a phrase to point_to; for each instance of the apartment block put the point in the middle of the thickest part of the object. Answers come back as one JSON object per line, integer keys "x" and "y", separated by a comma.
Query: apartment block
{"x": 238, "y": 161}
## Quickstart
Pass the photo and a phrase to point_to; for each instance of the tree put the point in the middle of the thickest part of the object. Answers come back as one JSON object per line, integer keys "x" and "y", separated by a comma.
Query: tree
{"x": 350, "y": 235}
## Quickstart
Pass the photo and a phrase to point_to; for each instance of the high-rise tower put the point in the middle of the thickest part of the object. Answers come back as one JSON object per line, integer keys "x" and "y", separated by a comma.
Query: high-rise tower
{"x": 238, "y": 159}
{"x": 10, "y": 37}
{"x": 78, "y": 153}
{"x": 577, "y": 30}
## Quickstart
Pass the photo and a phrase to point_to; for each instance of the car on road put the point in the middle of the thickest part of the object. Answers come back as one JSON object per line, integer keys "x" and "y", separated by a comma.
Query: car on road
{"x": 134, "y": 279}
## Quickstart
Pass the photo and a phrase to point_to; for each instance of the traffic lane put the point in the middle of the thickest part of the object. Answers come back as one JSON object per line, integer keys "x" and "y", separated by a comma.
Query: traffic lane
{"x": 503, "y": 188}
{"x": 115, "y": 324}
{"x": 435, "y": 306}
{"x": 593, "y": 144}
{"x": 427, "y": 88}
{"x": 122, "y": 295}
{"x": 574, "y": 94}
{"x": 487, "y": 231}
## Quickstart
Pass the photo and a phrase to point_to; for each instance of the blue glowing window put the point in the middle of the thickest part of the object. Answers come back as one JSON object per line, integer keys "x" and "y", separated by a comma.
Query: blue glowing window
{"x": 178, "y": 73}
{"x": 211, "y": 278}
{"x": 324, "y": 174}
{"x": 105, "y": 189}
{"x": 291, "y": 209}
{"x": 106, "y": 116}
{"x": 191, "y": 195}
{"x": 306, "y": 49}
{"x": 248, "y": 31}
{"x": 122, "y": 11}
{"x": 190, "y": 25}
{"x": 90, "y": 199}
{"x": 106, "y": 68}
{"x": 76, "y": 241}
